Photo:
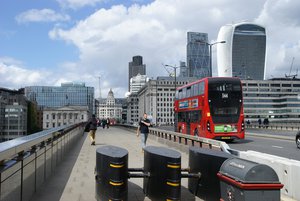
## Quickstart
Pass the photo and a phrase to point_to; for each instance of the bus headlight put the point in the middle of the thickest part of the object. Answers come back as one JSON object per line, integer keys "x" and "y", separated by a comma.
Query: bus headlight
{"x": 243, "y": 126}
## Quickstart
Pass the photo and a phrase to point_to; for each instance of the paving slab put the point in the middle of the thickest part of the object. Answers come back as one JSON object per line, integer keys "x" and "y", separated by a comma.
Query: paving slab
{"x": 74, "y": 178}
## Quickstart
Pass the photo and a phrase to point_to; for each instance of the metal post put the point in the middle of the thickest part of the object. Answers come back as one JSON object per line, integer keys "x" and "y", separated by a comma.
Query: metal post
{"x": 210, "y": 59}
{"x": 210, "y": 52}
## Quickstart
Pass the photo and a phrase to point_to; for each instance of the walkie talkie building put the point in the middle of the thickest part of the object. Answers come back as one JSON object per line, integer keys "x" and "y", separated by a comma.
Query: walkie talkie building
{"x": 244, "y": 53}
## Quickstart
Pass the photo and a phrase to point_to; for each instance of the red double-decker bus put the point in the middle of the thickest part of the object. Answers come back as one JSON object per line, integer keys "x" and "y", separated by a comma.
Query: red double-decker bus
{"x": 211, "y": 107}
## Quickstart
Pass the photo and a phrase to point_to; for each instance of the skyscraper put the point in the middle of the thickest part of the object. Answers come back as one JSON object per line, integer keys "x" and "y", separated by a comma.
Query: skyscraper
{"x": 136, "y": 66}
{"x": 198, "y": 55}
{"x": 243, "y": 54}
{"x": 183, "y": 69}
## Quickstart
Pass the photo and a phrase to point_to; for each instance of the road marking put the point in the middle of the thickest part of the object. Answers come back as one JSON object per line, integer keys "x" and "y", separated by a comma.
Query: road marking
{"x": 277, "y": 147}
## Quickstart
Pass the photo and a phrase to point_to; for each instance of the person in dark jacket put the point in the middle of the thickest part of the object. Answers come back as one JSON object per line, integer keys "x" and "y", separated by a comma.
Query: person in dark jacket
{"x": 103, "y": 123}
{"x": 143, "y": 129}
{"x": 107, "y": 123}
{"x": 93, "y": 127}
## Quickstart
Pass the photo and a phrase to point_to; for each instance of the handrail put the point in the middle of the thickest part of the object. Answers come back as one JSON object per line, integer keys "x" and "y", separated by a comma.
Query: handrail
{"x": 11, "y": 148}
{"x": 171, "y": 134}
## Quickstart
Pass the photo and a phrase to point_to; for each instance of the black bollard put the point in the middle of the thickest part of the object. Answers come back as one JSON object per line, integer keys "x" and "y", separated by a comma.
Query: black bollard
{"x": 111, "y": 173}
{"x": 164, "y": 166}
{"x": 208, "y": 163}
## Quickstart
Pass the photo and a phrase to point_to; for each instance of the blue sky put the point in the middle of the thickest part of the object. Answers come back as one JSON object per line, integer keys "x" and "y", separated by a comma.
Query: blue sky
{"x": 49, "y": 42}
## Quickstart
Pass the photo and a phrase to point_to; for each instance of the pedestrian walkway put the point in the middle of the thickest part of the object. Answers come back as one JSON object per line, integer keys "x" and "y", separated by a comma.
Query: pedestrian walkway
{"x": 74, "y": 179}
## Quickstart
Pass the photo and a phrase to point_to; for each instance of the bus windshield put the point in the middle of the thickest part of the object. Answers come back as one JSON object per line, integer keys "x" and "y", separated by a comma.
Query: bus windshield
{"x": 225, "y": 99}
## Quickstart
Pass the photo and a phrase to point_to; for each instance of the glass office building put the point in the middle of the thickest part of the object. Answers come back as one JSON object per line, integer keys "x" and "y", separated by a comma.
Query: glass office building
{"x": 243, "y": 55}
{"x": 68, "y": 94}
{"x": 198, "y": 55}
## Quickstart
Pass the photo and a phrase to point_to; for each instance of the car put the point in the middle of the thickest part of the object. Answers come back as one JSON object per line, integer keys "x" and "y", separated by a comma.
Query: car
{"x": 298, "y": 139}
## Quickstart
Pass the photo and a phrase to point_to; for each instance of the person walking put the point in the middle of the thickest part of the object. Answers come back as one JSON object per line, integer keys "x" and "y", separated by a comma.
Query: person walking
{"x": 107, "y": 123}
{"x": 93, "y": 127}
{"x": 103, "y": 123}
{"x": 143, "y": 130}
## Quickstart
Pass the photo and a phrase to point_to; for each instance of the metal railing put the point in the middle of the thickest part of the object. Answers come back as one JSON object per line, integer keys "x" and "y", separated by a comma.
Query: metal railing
{"x": 276, "y": 126}
{"x": 184, "y": 139}
{"x": 27, "y": 162}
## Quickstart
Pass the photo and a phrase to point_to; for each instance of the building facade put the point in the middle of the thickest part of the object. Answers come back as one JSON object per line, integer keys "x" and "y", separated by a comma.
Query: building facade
{"x": 13, "y": 114}
{"x": 156, "y": 99}
{"x": 137, "y": 82}
{"x": 68, "y": 94}
{"x": 198, "y": 55}
{"x": 60, "y": 116}
{"x": 132, "y": 108}
{"x": 136, "y": 67}
{"x": 183, "y": 70}
{"x": 109, "y": 108}
{"x": 278, "y": 100}
{"x": 244, "y": 53}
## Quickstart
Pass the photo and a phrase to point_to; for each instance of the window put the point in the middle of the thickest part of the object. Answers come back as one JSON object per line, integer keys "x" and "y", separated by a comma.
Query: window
{"x": 201, "y": 88}
{"x": 188, "y": 91}
{"x": 195, "y": 116}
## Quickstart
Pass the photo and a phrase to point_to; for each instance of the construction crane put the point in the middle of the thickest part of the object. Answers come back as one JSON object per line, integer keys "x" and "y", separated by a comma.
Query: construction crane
{"x": 289, "y": 75}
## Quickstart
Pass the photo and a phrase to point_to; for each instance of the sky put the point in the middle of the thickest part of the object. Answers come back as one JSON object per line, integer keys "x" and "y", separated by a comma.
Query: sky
{"x": 46, "y": 43}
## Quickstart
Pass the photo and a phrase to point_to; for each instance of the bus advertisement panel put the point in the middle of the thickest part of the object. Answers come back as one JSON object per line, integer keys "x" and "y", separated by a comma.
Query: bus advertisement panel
{"x": 211, "y": 107}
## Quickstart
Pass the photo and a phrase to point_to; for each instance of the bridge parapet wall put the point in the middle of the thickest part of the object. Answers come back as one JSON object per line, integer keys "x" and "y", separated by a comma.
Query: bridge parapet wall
{"x": 27, "y": 162}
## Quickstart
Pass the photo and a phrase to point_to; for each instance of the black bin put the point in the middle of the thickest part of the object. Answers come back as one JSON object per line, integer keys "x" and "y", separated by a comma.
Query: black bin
{"x": 111, "y": 173}
{"x": 164, "y": 166}
{"x": 245, "y": 180}
{"x": 208, "y": 163}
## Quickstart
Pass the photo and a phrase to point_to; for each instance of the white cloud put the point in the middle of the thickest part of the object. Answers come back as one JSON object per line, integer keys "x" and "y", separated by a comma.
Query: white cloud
{"x": 282, "y": 21}
{"x": 109, "y": 38}
{"x": 44, "y": 15}
{"x": 76, "y": 4}
{"x": 13, "y": 74}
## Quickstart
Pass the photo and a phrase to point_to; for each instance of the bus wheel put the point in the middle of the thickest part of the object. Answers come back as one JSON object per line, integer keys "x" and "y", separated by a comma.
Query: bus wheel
{"x": 196, "y": 132}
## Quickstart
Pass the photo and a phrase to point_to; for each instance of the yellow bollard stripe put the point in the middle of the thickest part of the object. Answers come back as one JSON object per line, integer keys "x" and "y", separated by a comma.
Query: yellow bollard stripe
{"x": 116, "y": 166}
{"x": 173, "y": 166}
{"x": 172, "y": 184}
{"x": 116, "y": 183}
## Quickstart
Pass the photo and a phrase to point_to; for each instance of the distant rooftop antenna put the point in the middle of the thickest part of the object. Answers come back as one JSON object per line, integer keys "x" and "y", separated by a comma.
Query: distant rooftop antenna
{"x": 289, "y": 75}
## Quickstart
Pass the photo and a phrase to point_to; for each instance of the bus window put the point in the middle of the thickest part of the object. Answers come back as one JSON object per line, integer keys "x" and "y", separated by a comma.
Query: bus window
{"x": 192, "y": 91}
{"x": 181, "y": 117}
{"x": 184, "y": 93}
{"x": 180, "y": 94}
{"x": 196, "y": 89}
{"x": 188, "y": 92}
{"x": 195, "y": 116}
{"x": 201, "y": 88}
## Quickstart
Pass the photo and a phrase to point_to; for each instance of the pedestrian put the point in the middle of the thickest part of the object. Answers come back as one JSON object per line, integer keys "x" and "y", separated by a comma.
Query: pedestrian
{"x": 103, "y": 123}
{"x": 93, "y": 127}
{"x": 107, "y": 123}
{"x": 143, "y": 129}
{"x": 259, "y": 122}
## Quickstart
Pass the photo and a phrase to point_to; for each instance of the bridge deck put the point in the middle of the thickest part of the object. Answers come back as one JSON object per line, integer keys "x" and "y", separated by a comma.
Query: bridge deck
{"x": 74, "y": 179}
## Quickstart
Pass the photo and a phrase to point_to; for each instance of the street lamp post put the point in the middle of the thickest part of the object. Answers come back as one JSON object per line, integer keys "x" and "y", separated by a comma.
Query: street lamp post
{"x": 210, "y": 51}
{"x": 175, "y": 69}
